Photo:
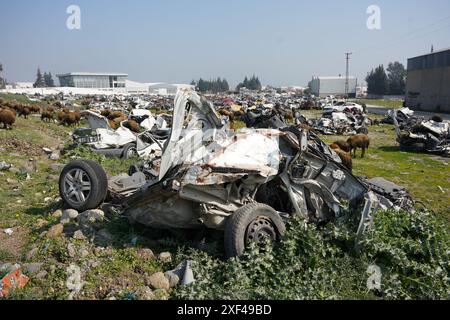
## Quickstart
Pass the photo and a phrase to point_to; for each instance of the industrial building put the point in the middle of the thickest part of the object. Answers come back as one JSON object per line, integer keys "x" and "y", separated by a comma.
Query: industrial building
{"x": 92, "y": 80}
{"x": 335, "y": 86}
{"x": 428, "y": 82}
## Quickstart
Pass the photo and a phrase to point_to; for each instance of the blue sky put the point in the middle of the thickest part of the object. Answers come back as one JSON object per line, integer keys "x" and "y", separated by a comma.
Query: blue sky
{"x": 284, "y": 42}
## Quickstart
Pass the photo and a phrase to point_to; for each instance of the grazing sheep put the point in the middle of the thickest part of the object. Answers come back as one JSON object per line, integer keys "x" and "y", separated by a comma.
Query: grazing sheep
{"x": 24, "y": 111}
{"x": 343, "y": 145}
{"x": 112, "y": 124}
{"x": 46, "y": 116}
{"x": 50, "y": 109}
{"x": 133, "y": 126}
{"x": 69, "y": 119}
{"x": 7, "y": 118}
{"x": 61, "y": 115}
{"x": 106, "y": 113}
{"x": 117, "y": 114}
{"x": 361, "y": 141}
{"x": 77, "y": 118}
{"x": 35, "y": 109}
{"x": 346, "y": 158}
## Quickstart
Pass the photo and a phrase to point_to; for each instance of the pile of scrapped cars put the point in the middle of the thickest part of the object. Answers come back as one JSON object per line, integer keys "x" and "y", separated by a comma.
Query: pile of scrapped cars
{"x": 246, "y": 183}
{"x": 342, "y": 118}
{"x": 417, "y": 134}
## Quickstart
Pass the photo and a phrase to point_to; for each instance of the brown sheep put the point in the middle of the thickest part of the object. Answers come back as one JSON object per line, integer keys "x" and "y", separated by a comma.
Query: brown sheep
{"x": 46, "y": 116}
{"x": 133, "y": 126}
{"x": 24, "y": 111}
{"x": 117, "y": 114}
{"x": 7, "y": 118}
{"x": 50, "y": 109}
{"x": 69, "y": 119}
{"x": 345, "y": 157}
{"x": 77, "y": 117}
{"x": 343, "y": 145}
{"x": 35, "y": 109}
{"x": 106, "y": 113}
{"x": 361, "y": 141}
{"x": 61, "y": 115}
{"x": 112, "y": 124}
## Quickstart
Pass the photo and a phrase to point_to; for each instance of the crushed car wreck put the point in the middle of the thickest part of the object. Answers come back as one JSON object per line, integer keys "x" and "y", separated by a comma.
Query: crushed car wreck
{"x": 417, "y": 134}
{"x": 246, "y": 183}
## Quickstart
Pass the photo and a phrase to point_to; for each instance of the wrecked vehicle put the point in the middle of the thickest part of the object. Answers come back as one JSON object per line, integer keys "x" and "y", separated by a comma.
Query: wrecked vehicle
{"x": 342, "y": 123}
{"x": 416, "y": 134}
{"x": 123, "y": 143}
{"x": 246, "y": 183}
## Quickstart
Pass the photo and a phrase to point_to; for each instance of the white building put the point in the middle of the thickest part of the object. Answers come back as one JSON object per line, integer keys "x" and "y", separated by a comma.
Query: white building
{"x": 333, "y": 86}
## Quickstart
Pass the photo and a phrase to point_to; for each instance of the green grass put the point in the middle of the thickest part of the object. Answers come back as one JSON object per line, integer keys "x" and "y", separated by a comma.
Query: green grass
{"x": 391, "y": 104}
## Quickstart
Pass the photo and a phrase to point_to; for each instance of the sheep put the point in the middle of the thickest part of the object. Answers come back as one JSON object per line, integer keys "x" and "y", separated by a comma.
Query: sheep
{"x": 117, "y": 114}
{"x": 133, "y": 126}
{"x": 69, "y": 119}
{"x": 77, "y": 118}
{"x": 24, "y": 111}
{"x": 345, "y": 157}
{"x": 106, "y": 113}
{"x": 46, "y": 116}
{"x": 361, "y": 141}
{"x": 7, "y": 118}
{"x": 61, "y": 115}
{"x": 50, "y": 109}
{"x": 343, "y": 145}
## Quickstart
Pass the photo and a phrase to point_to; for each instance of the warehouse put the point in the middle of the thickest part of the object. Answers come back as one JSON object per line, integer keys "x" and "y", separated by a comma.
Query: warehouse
{"x": 333, "y": 86}
{"x": 92, "y": 80}
{"x": 428, "y": 82}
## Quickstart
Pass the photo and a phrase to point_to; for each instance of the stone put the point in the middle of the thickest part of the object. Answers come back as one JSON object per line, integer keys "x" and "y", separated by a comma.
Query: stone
{"x": 145, "y": 293}
{"x": 32, "y": 253}
{"x": 55, "y": 231}
{"x": 71, "y": 251}
{"x": 78, "y": 235}
{"x": 165, "y": 257}
{"x": 11, "y": 181}
{"x": 41, "y": 275}
{"x": 158, "y": 281}
{"x": 173, "y": 279}
{"x": 103, "y": 238}
{"x": 54, "y": 156}
{"x": 90, "y": 220}
{"x": 57, "y": 214}
{"x": 40, "y": 223}
{"x": 161, "y": 294}
{"x": 84, "y": 253}
{"x": 32, "y": 268}
{"x": 145, "y": 254}
{"x": 48, "y": 199}
{"x": 68, "y": 215}
{"x": 47, "y": 150}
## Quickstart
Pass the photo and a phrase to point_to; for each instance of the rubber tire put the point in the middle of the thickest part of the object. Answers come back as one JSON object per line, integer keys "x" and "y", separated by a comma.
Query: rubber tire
{"x": 238, "y": 222}
{"x": 99, "y": 184}
{"x": 126, "y": 149}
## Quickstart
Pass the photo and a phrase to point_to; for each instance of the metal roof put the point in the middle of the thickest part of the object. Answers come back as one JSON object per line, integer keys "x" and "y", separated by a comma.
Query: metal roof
{"x": 92, "y": 74}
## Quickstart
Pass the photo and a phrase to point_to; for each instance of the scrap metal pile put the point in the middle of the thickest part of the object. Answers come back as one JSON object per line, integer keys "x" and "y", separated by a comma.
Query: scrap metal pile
{"x": 417, "y": 134}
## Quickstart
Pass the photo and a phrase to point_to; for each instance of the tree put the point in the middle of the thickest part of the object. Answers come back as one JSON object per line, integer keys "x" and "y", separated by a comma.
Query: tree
{"x": 40, "y": 82}
{"x": 377, "y": 81}
{"x": 2, "y": 82}
{"x": 48, "y": 80}
{"x": 396, "y": 78}
{"x": 252, "y": 84}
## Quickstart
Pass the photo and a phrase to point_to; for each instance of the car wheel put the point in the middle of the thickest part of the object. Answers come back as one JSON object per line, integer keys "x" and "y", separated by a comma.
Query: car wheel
{"x": 252, "y": 223}
{"x": 129, "y": 151}
{"x": 83, "y": 185}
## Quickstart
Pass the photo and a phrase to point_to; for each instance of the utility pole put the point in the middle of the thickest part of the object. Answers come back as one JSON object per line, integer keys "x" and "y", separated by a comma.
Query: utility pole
{"x": 347, "y": 58}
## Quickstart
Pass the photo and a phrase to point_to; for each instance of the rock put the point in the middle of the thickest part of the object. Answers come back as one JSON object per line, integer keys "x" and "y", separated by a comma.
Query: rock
{"x": 78, "y": 235}
{"x": 84, "y": 253}
{"x": 98, "y": 250}
{"x": 54, "y": 156}
{"x": 165, "y": 257}
{"x": 103, "y": 238}
{"x": 8, "y": 267}
{"x": 55, "y": 231}
{"x": 145, "y": 254}
{"x": 145, "y": 293}
{"x": 57, "y": 214}
{"x": 5, "y": 166}
{"x": 47, "y": 150}
{"x": 52, "y": 177}
{"x": 48, "y": 199}
{"x": 71, "y": 251}
{"x": 173, "y": 279}
{"x": 68, "y": 215}
{"x": 32, "y": 253}
{"x": 93, "y": 263}
{"x": 90, "y": 220}
{"x": 40, "y": 223}
{"x": 158, "y": 281}
{"x": 41, "y": 275}
{"x": 32, "y": 268}
{"x": 11, "y": 181}
{"x": 42, "y": 234}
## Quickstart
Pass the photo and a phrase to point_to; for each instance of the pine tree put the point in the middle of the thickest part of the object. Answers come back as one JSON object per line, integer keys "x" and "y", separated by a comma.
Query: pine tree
{"x": 377, "y": 81}
{"x": 2, "y": 82}
{"x": 40, "y": 82}
{"x": 48, "y": 79}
